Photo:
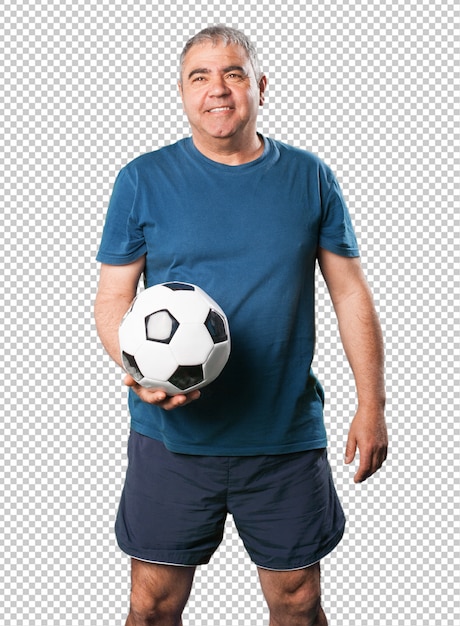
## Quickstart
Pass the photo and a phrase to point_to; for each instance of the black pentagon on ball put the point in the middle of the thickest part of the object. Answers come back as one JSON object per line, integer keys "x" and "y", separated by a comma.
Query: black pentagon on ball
{"x": 130, "y": 365}
{"x": 187, "y": 376}
{"x": 174, "y": 325}
{"x": 216, "y": 326}
{"x": 175, "y": 286}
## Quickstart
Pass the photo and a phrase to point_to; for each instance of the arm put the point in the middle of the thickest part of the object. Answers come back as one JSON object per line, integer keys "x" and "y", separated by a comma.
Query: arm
{"x": 116, "y": 290}
{"x": 363, "y": 344}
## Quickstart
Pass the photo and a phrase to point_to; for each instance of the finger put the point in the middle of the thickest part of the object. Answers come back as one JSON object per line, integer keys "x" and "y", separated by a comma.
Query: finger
{"x": 369, "y": 464}
{"x": 383, "y": 455}
{"x": 173, "y": 402}
{"x": 152, "y": 396}
{"x": 160, "y": 397}
{"x": 193, "y": 395}
{"x": 128, "y": 380}
{"x": 361, "y": 475}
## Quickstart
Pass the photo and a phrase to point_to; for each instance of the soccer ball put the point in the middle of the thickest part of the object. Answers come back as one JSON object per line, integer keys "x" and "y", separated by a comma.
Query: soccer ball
{"x": 174, "y": 337}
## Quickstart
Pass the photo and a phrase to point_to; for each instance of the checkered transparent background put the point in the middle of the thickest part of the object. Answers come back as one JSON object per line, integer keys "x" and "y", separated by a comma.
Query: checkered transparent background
{"x": 371, "y": 87}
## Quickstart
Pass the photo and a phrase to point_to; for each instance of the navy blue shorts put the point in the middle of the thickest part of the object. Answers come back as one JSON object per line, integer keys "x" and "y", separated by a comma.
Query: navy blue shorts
{"x": 174, "y": 506}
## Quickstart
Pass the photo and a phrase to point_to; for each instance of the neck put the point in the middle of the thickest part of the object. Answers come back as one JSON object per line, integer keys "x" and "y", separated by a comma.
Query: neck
{"x": 226, "y": 152}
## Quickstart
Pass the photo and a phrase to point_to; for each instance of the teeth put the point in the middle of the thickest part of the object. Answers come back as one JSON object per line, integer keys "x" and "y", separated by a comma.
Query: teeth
{"x": 219, "y": 109}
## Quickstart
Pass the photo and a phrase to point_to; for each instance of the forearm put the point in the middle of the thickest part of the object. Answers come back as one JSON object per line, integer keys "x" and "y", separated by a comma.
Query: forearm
{"x": 108, "y": 313}
{"x": 362, "y": 340}
{"x": 361, "y": 336}
{"x": 116, "y": 290}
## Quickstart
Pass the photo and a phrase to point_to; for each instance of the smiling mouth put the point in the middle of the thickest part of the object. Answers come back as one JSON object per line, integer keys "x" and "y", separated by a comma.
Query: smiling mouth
{"x": 219, "y": 109}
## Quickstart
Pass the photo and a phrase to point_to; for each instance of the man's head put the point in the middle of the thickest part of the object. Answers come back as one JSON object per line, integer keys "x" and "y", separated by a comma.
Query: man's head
{"x": 223, "y": 35}
{"x": 222, "y": 87}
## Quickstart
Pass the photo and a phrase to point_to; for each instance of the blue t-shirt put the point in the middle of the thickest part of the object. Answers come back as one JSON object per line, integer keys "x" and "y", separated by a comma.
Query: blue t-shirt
{"x": 248, "y": 235}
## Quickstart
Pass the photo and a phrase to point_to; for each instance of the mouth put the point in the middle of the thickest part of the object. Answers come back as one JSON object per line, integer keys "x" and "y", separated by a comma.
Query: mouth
{"x": 219, "y": 109}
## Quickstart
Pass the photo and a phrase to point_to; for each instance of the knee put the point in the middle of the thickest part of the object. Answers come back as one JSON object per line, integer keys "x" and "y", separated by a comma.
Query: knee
{"x": 143, "y": 610}
{"x": 148, "y": 610}
{"x": 303, "y": 603}
{"x": 299, "y": 603}
{"x": 159, "y": 594}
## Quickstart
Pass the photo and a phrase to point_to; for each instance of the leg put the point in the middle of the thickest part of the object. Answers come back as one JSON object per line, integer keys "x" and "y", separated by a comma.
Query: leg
{"x": 294, "y": 597}
{"x": 159, "y": 593}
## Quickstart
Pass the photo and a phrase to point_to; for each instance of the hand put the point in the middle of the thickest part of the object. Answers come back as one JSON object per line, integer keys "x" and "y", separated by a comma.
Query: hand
{"x": 160, "y": 397}
{"x": 368, "y": 433}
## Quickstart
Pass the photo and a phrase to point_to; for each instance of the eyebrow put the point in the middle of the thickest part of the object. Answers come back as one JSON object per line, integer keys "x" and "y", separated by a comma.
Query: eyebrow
{"x": 205, "y": 70}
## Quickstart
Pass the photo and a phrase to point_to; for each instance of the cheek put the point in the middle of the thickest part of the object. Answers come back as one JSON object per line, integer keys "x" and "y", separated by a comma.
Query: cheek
{"x": 191, "y": 107}
{"x": 191, "y": 100}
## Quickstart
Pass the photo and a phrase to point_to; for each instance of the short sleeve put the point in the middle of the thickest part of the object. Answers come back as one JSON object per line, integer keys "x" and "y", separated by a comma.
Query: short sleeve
{"x": 122, "y": 239}
{"x": 336, "y": 232}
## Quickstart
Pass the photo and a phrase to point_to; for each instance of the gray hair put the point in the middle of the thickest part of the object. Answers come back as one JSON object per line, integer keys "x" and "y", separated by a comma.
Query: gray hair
{"x": 227, "y": 36}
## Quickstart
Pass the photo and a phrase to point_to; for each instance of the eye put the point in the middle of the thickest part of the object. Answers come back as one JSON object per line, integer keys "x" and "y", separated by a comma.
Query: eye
{"x": 198, "y": 78}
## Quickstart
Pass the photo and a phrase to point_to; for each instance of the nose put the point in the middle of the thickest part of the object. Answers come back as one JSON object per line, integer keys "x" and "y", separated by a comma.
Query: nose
{"x": 218, "y": 87}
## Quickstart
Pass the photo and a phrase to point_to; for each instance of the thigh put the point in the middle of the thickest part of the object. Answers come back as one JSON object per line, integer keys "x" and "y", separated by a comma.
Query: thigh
{"x": 286, "y": 509}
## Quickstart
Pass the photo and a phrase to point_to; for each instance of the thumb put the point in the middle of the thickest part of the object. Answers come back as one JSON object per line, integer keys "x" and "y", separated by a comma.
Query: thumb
{"x": 350, "y": 450}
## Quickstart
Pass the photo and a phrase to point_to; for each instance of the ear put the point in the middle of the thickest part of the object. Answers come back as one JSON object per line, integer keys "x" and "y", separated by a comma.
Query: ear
{"x": 179, "y": 86}
{"x": 262, "y": 87}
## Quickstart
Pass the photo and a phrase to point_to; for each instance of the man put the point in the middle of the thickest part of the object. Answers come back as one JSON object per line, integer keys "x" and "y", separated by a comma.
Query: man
{"x": 246, "y": 218}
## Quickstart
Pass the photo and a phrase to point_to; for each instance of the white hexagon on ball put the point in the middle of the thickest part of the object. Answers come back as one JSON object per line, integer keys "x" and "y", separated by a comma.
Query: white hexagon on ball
{"x": 192, "y": 344}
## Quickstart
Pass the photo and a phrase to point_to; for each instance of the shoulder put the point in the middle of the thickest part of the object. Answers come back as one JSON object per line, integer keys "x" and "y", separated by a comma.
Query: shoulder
{"x": 305, "y": 163}
{"x": 295, "y": 153}
{"x": 164, "y": 155}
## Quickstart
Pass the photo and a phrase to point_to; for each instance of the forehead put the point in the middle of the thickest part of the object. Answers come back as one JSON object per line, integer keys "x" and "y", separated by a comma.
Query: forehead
{"x": 219, "y": 55}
